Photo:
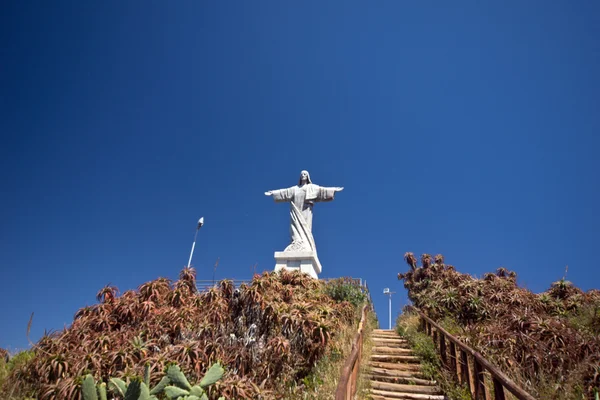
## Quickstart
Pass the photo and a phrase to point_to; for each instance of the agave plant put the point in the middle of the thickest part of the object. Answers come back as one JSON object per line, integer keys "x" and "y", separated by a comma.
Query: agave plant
{"x": 107, "y": 294}
{"x": 264, "y": 342}
{"x": 411, "y": 260}
{"x": 554, "y": 335}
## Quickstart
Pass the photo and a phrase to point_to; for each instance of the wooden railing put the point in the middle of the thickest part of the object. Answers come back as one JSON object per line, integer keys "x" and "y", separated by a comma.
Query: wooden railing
{"x": 346, "y": 387}
{"x": 455, "y": 357}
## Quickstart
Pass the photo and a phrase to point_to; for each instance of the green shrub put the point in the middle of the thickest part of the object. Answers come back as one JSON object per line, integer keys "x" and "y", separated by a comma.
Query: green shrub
{"x": 586, "y": 318}
{"x": 423, "y": 346}
{"x": 3, "y": 371}
{"x": 345, "y": 290}
{"x": 17, "y": 361}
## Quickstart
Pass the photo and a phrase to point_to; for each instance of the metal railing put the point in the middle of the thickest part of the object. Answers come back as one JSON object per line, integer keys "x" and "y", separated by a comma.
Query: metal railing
{"x": 203, "y": 285}
{"x": 455, "y": 357}
{"x": 346, "y": 388}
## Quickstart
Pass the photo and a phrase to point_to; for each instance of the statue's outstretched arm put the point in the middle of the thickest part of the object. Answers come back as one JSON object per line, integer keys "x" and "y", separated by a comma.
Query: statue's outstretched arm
{"x": 280, "y": 195}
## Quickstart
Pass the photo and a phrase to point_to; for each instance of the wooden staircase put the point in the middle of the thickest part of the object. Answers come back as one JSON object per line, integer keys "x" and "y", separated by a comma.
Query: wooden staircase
{"x": 395, "y": 372}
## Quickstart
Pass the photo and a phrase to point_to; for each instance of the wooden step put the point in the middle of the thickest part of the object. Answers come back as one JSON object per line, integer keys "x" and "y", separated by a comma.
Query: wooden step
{"x": 393, "y": 345}
{"x": 395, "y": 366}
{"x": 385, "y": 335}
{"x": 391, "y": 350}
{"x": 407, "y": 380}
{"x": 397, "y": 345}
{"x": 399, "y": 387}
{"x": 389, "y": 340}
{"x": 384, "y": 395}
{"x": 394, "y": 358}
{"x": 404, "y": 347}
{"x": 395, "y": 372}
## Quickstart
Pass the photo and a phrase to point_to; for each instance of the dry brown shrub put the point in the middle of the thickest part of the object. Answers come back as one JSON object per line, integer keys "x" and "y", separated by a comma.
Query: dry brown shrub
{"x": 549, "y": 343}
{"x": 268, "y": 334}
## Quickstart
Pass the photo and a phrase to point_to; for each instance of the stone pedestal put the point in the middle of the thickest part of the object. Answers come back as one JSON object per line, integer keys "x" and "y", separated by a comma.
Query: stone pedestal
{"x": 304, "y": 261}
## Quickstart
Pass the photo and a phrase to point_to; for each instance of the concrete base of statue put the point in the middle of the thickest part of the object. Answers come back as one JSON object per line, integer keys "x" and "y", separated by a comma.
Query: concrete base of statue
{"x": 304, "y": 261}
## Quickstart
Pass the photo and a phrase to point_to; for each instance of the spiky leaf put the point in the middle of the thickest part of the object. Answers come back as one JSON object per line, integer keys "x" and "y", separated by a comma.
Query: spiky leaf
{"x": 161, "y": 385}
{"x": 88, "y": 388}
{"x": 212, "y": 375}
{"x": 174, "y": 392}
{"x": 118, "y": 385}
{"x": 178, "y": 378}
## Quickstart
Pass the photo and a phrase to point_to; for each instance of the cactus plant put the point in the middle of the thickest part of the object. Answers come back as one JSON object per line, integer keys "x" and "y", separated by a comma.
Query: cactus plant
{"x": 91, "y": 391}
{"x": 139, "y": 389}
{"x": 136, "y": 390}
{"x": 121, "y": 388}
{"x": 183, "y": 390}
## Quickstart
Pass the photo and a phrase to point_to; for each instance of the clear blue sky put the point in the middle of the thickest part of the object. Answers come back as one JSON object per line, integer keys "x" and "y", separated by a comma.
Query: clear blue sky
{"x": 465, "y": 129}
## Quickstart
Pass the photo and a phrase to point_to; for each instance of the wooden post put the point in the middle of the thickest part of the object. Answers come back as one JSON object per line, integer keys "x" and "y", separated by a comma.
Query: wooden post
{"x": 459, "y": 365}
{"x": 472, "y": 378}
{"x": 498, "y": 389}
{"x": 464, "y": 367}
{"x": 488, "y": 392}
{"x": 443, "y": 350}
{"x": 453, "y": 364}
{"x": 479, "y": 382}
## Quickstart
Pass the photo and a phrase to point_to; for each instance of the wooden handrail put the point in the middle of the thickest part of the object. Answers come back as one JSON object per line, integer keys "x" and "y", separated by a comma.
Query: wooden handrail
{"x": 474, "y": 380}
{"x": 346, "y": 387}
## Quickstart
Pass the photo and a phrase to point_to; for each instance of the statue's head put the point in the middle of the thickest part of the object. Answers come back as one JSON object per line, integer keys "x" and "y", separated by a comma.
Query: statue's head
{"x": 304, "y": 178}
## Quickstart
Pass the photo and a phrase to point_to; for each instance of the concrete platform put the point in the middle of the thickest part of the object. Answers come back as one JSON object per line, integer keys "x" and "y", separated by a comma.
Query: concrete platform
{"x": 304, "y": 261}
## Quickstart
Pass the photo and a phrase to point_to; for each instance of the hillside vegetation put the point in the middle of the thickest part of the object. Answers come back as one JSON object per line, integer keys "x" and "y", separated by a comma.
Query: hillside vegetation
{"x": 269, "y": 335}
{"x": 549, "y": 342}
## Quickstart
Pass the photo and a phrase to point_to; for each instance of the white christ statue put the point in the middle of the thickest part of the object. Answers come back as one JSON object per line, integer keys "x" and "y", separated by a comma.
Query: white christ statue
{"x": 302, "y": 198}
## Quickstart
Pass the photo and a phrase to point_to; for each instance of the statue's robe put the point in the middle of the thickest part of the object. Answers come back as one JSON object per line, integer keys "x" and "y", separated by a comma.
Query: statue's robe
{"x": 301, "y": 199}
